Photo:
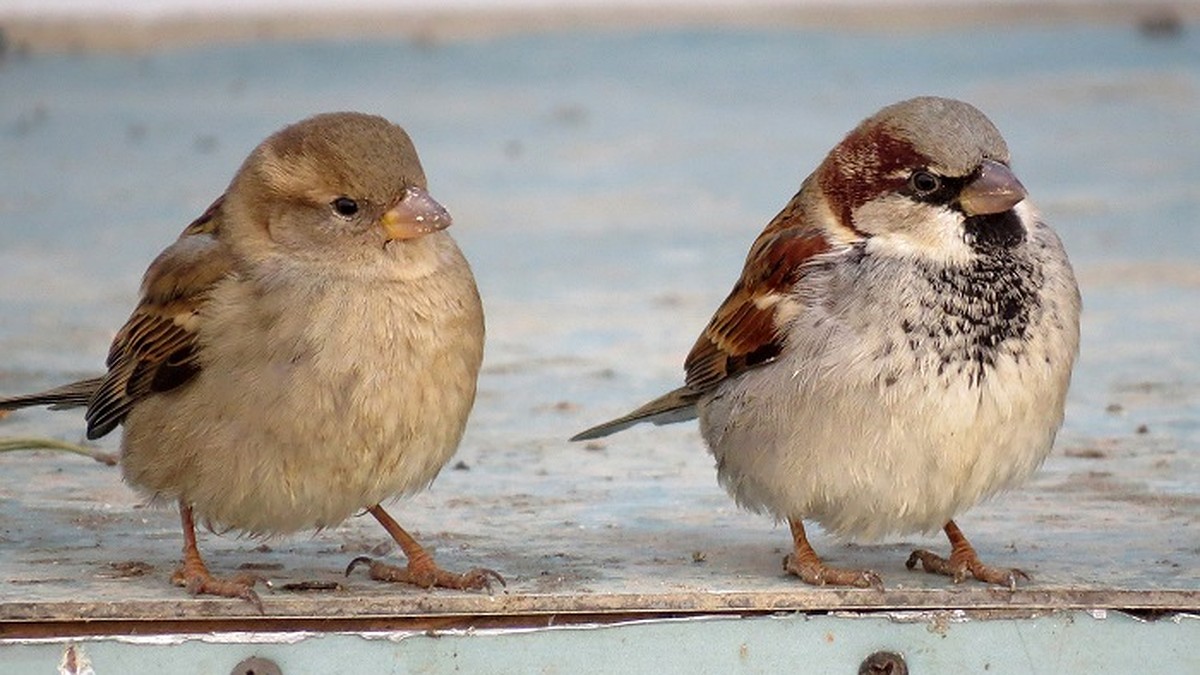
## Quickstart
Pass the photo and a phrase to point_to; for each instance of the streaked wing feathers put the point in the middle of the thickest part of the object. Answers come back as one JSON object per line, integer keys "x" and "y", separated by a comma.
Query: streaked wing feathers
{"x": 156, "y": 348}
{"x": 745, "y": 331}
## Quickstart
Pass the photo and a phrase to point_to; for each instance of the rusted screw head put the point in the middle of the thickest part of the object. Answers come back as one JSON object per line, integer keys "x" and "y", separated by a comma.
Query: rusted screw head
{"x": 256, "y": 665}
{"x": 883, "y": 663}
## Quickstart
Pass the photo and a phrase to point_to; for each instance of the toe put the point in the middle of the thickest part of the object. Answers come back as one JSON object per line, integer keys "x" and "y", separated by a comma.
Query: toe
{"x": 999, "y": 576}
{"x": 482, "y": 578}
{"x": 822, "y": 575}
{"x": 240, "y": 587}
{"x": 428, "y": 575}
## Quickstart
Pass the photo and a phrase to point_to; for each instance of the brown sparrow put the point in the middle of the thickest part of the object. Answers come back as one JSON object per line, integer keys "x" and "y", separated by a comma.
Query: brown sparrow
{"x": 307, "y": 349}
{"x": 898, "y": 347}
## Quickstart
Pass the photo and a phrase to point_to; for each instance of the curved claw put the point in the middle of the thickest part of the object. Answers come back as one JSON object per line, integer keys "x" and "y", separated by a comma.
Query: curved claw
{"x": 250, "y": 595}
{"x": 870, "y": 580}
{"x": 1011, "y": 577}
{"x": 481, "y": 577}
{"x": 360, "y": 560}
{"x": 918, "y": 556}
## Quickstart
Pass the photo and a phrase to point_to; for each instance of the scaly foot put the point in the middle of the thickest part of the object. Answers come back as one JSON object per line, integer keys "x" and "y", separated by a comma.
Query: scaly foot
{"x": 426, "y": 574}
{"x": 193, "y": 574}
{"x": 963, "y": 562}
{"x": 820, "y": 574}
{"x": 198, "y": 581}
{"x": 963, "y": 566}
{"x": 804, "y": 562}
{"x": 421, "y": 570}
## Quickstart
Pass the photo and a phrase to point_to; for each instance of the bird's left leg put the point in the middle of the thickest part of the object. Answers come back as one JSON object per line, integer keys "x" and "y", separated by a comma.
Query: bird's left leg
{"x": 963, "y": 561}
{"x": 421, "y": 569}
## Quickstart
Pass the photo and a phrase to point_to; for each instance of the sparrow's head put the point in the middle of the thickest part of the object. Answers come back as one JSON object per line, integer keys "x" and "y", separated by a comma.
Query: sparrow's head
{"x": 927, "y": 177}
{"x": 333, "y": 181}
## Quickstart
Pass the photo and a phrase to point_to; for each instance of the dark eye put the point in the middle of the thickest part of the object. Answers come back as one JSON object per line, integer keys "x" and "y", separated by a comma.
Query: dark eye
{"x": 345, "y": 206}
{"x": 924, "y": 183}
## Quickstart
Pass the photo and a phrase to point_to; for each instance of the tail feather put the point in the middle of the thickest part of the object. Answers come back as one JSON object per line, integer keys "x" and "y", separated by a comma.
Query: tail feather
{"x": 74, "y": 395}
{"x": 672, "y": 407}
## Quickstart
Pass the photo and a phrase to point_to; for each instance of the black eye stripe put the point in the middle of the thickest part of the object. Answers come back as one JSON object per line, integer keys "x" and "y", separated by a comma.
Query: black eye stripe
{"x": 925, "y": 186}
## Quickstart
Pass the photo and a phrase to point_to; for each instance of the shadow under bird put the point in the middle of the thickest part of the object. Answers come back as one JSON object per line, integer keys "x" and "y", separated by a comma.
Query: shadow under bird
{"x": 897, "y": 349}
{"x": 307, "y": 349}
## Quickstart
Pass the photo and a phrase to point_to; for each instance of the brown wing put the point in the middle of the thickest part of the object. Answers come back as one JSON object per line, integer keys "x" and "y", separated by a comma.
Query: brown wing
{"x": 745, "y": 331}
{"x": 156, "y": 348}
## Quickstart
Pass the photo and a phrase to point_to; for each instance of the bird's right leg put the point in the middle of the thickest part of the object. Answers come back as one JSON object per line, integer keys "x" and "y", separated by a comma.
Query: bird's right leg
{"x": 193, "y": 574}
{"x": 804, "y": 562}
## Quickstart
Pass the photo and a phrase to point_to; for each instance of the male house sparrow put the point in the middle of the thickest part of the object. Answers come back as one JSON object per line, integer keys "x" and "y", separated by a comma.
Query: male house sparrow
{"x": 307, "y": 349}
{"x": 898, "y": 347}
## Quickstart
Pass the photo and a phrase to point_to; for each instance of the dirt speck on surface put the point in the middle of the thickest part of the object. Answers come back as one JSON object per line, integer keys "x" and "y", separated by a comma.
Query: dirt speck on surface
{"x": 1085, "y": 453}
{"x": 126, "y": 569}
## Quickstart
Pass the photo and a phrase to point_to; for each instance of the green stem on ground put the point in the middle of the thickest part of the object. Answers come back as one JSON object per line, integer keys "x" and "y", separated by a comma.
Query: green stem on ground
{"x": 16, "y": 444}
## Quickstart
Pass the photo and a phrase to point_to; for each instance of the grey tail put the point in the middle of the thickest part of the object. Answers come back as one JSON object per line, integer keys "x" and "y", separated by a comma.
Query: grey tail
{"x": 672, "y": 407}
{"x": 74, "y": 395}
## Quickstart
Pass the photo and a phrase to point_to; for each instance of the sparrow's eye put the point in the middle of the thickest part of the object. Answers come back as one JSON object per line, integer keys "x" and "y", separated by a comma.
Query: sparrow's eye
{"x": 344, "y": 206}
{"x": 924, "y": 183}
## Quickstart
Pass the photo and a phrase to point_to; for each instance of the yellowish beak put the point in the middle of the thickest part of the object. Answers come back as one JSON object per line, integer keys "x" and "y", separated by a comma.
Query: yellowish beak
{"x": 415, "y": 215}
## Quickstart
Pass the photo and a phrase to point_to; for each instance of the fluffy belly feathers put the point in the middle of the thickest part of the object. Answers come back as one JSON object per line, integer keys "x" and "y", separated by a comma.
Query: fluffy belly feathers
{"x": 897, "y": 415}
{"x": 866, "y": 462}
{"x": 336, "y": 423}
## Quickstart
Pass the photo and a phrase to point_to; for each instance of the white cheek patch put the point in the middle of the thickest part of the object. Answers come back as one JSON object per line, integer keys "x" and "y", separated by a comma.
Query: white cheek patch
{"x": 904, "y": 228}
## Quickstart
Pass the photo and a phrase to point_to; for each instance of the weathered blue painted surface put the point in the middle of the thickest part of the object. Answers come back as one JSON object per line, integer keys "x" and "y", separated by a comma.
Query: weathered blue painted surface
{"x": 606, "y": 186}
{"x": 1066, "y": 642}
